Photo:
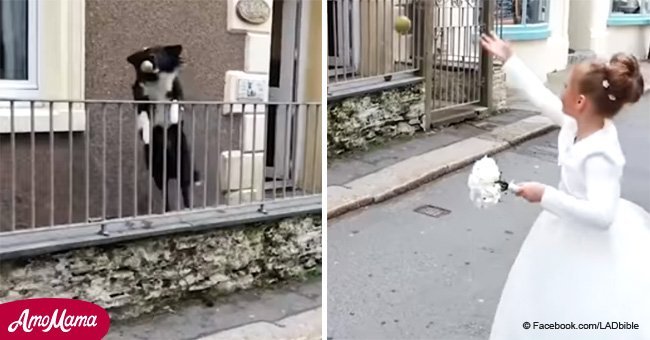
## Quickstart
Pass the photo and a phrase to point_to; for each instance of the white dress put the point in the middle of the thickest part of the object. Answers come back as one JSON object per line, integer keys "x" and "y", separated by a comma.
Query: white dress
{"x": 587, "y": 256}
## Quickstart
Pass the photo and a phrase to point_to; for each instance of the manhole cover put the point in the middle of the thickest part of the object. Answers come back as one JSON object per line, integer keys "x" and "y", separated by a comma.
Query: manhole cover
{"x": 432, "y": 210}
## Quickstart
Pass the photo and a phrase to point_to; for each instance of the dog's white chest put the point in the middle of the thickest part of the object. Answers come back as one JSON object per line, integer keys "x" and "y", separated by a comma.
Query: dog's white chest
{"x": 157, "y": 91}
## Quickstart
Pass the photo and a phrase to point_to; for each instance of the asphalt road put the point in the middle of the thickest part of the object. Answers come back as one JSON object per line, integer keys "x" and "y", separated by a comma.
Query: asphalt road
{"x": 394, "y": 273}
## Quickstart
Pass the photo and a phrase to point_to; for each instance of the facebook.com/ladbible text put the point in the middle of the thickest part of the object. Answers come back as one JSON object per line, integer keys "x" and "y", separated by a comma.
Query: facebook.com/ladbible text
{"x": 600, "y": 325}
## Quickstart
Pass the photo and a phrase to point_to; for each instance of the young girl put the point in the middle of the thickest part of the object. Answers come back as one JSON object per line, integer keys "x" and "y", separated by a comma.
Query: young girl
{"x": 583, "y": 271}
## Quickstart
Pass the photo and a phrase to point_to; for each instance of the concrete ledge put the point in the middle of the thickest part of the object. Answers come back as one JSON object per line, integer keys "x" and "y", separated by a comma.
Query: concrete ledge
{"x": 415, "y": 171}
{"x": 303, "y": 326}
{"x": 406, "y": 175}
{"x": 339, "y": 92}
{"x": 343, "y": 199}
{"x": 51, "y": 240}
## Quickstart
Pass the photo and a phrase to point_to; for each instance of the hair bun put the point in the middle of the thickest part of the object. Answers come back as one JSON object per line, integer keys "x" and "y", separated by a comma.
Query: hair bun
{"x": 624, "y": 73}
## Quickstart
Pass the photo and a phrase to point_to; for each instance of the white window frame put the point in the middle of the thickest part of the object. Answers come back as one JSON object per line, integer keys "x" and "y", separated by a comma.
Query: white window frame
{"x": 60, "y": 76}
{"x": 15, "y": 88}
{"x": 644, "y": 4}
{"x": 524, "y": 16}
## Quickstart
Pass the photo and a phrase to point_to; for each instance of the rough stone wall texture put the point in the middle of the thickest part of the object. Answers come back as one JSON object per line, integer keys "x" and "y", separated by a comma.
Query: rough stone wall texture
{"x": 359, "y": 122}
{"x": 135, "y": 278}
{"x": 500, "y": 89}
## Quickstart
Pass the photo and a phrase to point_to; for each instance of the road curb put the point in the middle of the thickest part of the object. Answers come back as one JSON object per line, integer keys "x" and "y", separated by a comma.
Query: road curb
{"x": 304, "y": 326}
{"x": 418, "y": 170}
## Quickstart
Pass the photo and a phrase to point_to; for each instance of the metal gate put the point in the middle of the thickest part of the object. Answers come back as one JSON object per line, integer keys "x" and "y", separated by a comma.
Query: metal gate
{"x": 458, "y": 75}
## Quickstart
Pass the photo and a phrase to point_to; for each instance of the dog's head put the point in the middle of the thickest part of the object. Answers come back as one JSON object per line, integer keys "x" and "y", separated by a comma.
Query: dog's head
{"x": 156, "y": 59}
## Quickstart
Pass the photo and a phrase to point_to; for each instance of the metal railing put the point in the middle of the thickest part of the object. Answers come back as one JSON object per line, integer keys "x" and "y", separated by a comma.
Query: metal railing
{"x": 363, "y": 43}
{"x": 79, "y": 163}
{"x": 457, "y": 73}
{"x": 443, "y": 46}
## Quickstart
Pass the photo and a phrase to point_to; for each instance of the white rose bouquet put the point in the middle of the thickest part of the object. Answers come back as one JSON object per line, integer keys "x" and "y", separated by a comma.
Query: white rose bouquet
{"x": 485, "y": 183}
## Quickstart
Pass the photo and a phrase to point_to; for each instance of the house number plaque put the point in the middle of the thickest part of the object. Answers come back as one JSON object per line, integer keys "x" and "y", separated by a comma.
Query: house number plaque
{"x": 253, "y": 11}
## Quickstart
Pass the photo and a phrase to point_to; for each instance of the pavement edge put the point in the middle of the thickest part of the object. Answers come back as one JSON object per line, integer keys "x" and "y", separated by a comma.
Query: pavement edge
{"x": 306, "y": 325}
{"x": 418, "y": 170}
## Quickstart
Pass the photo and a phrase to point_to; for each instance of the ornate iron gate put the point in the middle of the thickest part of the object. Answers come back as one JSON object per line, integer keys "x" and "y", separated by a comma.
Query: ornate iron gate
{"x": 458, "y": 75}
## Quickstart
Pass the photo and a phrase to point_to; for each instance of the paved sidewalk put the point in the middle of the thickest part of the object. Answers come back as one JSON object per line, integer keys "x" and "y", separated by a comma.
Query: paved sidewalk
{"x": 361, "y": 163}
{"x": 303, "y": 326}
{"x": 415, "y": 171}
{"x": 283, "y": 311}
{"x": 355, "y": 184}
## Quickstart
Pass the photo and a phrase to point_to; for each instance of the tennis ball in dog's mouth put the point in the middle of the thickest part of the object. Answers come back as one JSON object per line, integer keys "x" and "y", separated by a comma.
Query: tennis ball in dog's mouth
{"x": 402, "y": 24}
{"x": 146, "y": 66}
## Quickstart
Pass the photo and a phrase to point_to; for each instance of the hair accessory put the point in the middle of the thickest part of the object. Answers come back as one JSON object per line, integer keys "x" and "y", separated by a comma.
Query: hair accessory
{"x": 605, "y": 84}
{"x": 611, "y": 97}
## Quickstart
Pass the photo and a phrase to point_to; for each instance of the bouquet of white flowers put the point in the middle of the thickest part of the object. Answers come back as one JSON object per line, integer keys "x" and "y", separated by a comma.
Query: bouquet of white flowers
{"x": 485, "y": 183}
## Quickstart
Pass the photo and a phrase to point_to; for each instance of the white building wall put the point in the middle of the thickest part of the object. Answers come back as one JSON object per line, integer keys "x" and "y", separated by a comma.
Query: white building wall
{"x": 599, "y": 34}
{"x": 551, "y": 54}
{"x": 246, "y": 166}
{"x": 580, "y": 26}
{"x": 589, "y": 31}
{"x": 629, "y": 39}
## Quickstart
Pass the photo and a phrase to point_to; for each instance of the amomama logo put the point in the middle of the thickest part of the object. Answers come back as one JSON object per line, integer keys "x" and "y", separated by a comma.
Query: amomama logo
{"x": 53, "y": 318}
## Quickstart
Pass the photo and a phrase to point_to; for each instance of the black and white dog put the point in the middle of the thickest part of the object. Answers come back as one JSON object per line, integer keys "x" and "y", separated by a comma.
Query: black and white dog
{"x": 157, "y": 79}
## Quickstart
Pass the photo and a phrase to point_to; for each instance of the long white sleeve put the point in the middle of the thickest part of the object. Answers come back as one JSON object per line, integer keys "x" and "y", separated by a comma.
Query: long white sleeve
{"x": 523, "y": 78}
{"x": 603, "y": 192}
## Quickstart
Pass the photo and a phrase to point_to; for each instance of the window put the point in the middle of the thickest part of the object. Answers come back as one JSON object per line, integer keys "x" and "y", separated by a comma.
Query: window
{"x": 630, "y": 7}
{"x": 18, "y": 48}
{"x": 28, "y": 28}
{"x": 629, "y": 13}
{"x": 524, "y": 19}
{"x": 522, "y": 12}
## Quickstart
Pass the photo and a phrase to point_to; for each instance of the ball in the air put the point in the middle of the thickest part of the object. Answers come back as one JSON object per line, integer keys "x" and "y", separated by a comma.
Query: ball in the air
{"x": 146, "y": 66}
{"x": 402, "y": 24}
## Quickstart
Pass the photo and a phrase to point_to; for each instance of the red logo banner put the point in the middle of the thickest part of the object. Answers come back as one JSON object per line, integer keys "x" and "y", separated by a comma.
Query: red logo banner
{"x": 53, "y": 318}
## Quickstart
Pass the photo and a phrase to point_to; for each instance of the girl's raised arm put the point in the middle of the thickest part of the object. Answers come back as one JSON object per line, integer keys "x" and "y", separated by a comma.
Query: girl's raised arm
{"x": 548, "y": 103}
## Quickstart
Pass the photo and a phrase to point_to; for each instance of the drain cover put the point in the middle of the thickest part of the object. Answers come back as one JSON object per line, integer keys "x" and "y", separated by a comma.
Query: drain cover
{"x": 432, "y": 210}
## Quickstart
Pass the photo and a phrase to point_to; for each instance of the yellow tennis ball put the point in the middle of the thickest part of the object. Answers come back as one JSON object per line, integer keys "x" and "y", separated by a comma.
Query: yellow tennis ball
{"x": 402, "y": 24}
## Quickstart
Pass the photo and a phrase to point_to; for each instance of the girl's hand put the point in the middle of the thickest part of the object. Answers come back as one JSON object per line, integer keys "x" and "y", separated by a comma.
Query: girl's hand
{"x": 531, "y": 191}
{"x": 496, "y": 46}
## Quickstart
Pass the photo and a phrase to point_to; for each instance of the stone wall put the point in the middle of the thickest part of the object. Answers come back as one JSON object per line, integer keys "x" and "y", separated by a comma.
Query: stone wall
{"x": 358, "y": 122}
{"x": 499, "y": 88}
{"x": 136, "y": 278}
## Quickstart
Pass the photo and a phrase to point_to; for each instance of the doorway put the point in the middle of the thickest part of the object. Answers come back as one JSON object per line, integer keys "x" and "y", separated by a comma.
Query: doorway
{"x": 343, "y": 37}
{"x": 281, "y": 119}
